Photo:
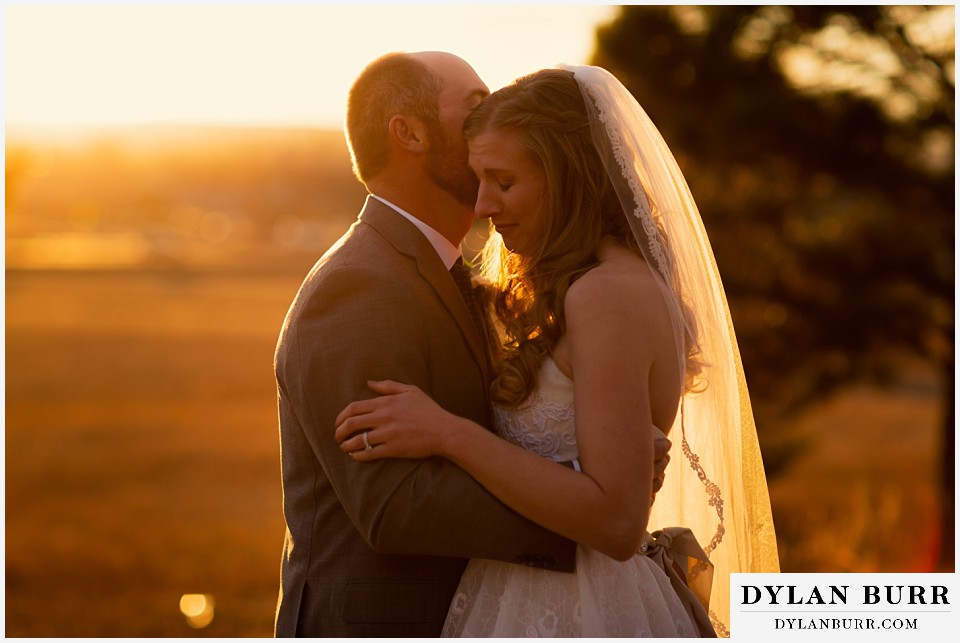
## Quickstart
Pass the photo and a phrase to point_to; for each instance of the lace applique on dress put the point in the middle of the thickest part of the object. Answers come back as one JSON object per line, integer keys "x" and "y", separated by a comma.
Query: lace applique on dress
{"x": 543, "y": 424}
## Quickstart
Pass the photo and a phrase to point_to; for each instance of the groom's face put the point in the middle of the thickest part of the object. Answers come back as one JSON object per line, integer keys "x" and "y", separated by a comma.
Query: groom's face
{"x": 446, "y": 162}
{"x": 446, "y": 165}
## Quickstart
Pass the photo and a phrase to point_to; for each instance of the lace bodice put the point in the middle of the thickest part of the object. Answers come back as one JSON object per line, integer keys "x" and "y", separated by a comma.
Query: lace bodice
{"x": 544, "y": 423}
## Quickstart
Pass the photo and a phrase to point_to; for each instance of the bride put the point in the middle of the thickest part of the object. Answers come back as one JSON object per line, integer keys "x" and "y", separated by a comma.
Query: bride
{"x": 614, "y": 325}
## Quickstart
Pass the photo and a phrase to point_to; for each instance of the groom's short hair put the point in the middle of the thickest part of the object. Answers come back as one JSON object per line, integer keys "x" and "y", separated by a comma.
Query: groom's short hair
{"x": 395, "y": 83}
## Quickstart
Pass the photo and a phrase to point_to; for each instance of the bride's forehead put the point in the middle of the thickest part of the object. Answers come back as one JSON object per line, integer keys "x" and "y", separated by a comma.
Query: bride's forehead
{"x": 494, "y": 140}
{"x": 493, "y": 143}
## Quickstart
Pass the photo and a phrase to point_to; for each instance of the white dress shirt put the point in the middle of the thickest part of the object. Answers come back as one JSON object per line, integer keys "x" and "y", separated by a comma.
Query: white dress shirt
{"x": 448, "y": 252}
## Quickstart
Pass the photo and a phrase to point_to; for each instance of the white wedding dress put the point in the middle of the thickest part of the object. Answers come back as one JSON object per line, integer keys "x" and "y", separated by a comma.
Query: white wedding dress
{"x": 603, "y": 598}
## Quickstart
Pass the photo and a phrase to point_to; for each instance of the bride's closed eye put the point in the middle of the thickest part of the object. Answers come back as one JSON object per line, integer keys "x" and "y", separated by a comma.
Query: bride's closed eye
{"x": 503, "y": 185}
{"x": 504, "y": 181}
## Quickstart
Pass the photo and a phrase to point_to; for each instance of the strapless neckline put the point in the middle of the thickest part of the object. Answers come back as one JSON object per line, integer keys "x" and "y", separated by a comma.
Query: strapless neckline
{"x": 550, "y": 362}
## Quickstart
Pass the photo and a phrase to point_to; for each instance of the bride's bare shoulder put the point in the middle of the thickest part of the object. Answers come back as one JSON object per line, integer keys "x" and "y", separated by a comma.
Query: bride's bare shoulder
{"x": 616, "y": 310}
{"x": 620, "y": 279}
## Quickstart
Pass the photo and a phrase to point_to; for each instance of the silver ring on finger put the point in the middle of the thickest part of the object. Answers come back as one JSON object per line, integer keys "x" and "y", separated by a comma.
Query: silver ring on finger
{"x": 366, "y": 442}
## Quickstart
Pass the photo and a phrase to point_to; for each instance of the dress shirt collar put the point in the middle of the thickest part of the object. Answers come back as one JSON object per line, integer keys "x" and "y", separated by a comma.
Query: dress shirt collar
{"x": 448, "y": 252}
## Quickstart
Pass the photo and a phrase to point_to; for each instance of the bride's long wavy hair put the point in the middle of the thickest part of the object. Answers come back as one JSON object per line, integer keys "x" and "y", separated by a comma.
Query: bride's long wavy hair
{"x": 545, "y": 111}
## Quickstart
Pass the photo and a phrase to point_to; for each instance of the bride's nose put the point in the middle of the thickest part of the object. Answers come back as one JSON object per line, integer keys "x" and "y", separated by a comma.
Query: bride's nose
{"x": 487, "y": 205}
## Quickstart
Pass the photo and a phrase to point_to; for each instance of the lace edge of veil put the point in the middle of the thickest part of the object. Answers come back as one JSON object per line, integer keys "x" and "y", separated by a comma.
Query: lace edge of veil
{"x": 654, "y": 246}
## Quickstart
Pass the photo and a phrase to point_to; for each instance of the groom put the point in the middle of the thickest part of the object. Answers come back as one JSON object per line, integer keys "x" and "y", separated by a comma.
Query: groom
{"x": 378, "y": 549}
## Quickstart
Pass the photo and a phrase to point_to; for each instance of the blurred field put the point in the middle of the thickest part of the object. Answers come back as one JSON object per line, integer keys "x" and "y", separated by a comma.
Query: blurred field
{"x": 142, "y": 459}
{"x": 863, "y": 494}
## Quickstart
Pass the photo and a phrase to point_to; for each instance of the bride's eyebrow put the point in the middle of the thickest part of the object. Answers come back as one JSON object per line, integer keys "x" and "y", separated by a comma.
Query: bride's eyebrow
{"x": 488, "y": 170}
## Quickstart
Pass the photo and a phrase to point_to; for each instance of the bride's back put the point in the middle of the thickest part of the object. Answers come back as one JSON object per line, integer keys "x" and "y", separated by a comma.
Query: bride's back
{"x": 625, "y": 276}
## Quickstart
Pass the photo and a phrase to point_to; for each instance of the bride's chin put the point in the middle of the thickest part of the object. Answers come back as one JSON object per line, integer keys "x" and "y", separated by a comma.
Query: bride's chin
{"x": 510, "y": 245}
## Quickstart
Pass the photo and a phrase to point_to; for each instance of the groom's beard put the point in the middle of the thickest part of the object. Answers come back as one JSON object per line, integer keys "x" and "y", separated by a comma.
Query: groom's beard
{"x": 447, "y": 166}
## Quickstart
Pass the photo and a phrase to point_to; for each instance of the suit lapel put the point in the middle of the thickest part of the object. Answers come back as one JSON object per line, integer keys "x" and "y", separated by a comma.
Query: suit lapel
{"x": 405, "y": 237}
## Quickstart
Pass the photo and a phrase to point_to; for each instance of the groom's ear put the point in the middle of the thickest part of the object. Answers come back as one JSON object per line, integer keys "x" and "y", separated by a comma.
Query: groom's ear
{"x": 407, "y": 132}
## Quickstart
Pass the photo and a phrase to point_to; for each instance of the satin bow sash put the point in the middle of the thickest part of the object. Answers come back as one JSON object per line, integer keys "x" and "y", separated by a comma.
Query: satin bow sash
{"x": 690, "y": 571}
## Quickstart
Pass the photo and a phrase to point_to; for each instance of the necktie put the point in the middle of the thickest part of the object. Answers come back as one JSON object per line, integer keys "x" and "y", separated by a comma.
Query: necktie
{"x": 461, "y": 275}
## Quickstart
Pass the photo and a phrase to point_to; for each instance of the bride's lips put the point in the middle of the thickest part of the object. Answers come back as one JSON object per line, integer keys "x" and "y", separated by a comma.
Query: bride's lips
{"x": 503, "y": 227}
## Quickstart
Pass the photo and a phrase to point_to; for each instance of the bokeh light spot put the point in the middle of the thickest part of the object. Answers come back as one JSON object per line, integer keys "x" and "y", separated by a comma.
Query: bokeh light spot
{"x": 198, "y": 609}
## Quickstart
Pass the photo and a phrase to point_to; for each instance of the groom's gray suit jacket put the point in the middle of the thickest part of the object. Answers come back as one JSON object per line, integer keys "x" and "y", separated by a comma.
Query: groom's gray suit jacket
{"x": 377, "y": 549}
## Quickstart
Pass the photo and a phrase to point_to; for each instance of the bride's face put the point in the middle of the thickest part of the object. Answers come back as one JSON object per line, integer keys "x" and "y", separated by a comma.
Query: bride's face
{"x": 511, "y": 189}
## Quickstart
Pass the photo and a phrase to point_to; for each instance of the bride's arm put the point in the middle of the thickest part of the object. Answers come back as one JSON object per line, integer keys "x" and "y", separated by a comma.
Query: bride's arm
{"x": 606, "y": 506}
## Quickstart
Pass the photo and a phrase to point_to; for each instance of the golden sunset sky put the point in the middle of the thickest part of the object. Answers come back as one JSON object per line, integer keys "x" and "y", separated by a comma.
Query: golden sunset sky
{"x": 254, "y": 64}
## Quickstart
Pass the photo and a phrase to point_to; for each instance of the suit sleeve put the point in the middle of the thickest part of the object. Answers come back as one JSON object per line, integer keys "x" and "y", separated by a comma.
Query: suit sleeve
{"x": 421, "y": 507}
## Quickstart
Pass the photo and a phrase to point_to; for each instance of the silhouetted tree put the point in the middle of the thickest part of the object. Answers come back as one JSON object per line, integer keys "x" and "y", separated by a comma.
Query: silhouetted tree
{"x": 818, "y": 142}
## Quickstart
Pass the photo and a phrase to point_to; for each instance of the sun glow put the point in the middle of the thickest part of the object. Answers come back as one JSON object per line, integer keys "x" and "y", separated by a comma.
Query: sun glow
{"x": 256, "y": 64}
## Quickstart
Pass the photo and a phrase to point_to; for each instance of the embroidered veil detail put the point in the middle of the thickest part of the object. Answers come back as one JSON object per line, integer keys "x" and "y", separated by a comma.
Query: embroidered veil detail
{"x": 720, "y": 492}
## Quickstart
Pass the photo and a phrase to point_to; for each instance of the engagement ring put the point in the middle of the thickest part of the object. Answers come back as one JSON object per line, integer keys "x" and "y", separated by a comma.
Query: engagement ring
{"x": 366, "y": 443}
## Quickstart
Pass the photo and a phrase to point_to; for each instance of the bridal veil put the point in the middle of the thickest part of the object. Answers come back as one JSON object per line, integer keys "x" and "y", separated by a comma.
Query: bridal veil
{"x": 717, "y": 487}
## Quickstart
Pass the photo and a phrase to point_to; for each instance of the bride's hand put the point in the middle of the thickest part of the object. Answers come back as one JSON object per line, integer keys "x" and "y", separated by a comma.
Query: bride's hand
{"x": 403, "y": 422}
